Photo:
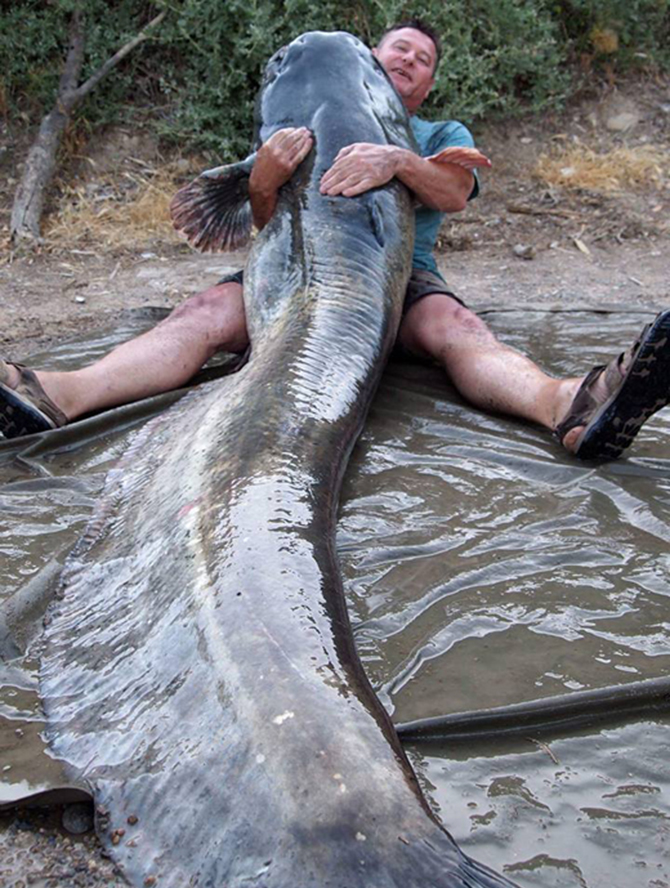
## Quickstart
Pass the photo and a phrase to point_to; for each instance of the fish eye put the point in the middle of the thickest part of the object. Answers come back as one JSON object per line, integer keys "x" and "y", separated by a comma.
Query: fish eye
{"x": 274, "y": 66}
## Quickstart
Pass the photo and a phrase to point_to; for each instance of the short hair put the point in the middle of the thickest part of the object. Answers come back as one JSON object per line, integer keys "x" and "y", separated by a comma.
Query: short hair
{"x": 417, "y": 24}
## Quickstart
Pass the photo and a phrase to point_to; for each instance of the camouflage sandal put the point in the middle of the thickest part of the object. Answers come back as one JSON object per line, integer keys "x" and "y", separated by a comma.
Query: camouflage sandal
{"x": 633, "y": 396}
{"x": 27, "y": 408}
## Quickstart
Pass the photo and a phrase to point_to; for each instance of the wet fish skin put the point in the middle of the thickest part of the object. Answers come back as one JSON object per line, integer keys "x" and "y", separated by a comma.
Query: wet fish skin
{"x": 200, "y": 672}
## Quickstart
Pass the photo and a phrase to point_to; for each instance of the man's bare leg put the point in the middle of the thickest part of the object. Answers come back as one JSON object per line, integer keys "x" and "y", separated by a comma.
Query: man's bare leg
{"x": 486, "y": 372}
{"x": 159, "y": 360}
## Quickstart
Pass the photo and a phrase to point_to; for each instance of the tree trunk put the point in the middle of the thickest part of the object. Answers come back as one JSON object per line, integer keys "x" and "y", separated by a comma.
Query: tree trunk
{"x": 41, "y": 160}
{"x": 39, "y": 170}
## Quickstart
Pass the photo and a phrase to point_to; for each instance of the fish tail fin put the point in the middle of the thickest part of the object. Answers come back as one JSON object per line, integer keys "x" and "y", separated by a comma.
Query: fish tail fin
{"x": 477, "y": 875}
{"x": 440, "y": 863}
{"x": 213, "y": 211}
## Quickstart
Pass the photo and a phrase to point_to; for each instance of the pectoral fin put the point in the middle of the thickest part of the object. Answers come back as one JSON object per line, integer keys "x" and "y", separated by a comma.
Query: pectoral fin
{"x": 213, "y": 211}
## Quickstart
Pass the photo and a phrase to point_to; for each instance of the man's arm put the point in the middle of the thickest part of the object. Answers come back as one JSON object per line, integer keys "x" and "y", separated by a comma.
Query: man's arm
{"x": 442, "y": 182}
{"x": 276, "y": 161}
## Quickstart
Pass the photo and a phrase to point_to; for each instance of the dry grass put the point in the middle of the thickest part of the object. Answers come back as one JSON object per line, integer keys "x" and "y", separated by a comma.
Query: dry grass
{"x": 129, "y": 209}
{"x": 619, "y": 170}
{"x": 121, "y": 212}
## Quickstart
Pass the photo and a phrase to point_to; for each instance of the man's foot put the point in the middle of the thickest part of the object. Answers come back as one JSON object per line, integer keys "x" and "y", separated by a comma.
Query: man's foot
{"x": 615, "y": 401}
{"x": 25, "y": 408}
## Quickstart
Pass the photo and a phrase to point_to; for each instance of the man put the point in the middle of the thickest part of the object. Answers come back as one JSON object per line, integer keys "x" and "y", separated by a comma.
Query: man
{"x": 593, "y": 417}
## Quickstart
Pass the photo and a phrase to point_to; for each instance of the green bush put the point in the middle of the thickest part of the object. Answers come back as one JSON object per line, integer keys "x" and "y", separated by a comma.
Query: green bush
{"x": 626, "y": 33}
{"x": 499, "y": 56}
{"x": 32, "y": 36}
{"x": 33, "y": 46}
{"x": 198, "y": 74}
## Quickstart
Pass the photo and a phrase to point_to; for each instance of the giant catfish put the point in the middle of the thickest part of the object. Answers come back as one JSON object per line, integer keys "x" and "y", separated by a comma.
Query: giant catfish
{"x": 200, "y": 671}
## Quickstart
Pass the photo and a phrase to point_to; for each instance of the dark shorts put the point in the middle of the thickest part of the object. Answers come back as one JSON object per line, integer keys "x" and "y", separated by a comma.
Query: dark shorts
{"x": 421, "y": 283}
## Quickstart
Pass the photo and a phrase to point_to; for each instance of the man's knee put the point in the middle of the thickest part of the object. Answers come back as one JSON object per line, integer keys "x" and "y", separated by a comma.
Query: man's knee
{"x": 437, "y": 322}
{"x": 218, "y": 311}
{"x": 222, "y": 299}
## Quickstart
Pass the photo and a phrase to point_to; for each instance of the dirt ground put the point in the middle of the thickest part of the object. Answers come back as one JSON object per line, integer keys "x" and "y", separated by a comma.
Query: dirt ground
{"x": 523, "y": 241}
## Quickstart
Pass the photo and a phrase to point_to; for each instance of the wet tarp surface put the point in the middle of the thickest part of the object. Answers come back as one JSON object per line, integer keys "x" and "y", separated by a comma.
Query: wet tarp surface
{"x": 483, "y": 567}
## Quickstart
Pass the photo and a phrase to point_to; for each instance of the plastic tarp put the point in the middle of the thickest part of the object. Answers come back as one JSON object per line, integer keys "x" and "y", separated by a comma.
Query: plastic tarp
{"x": 484, "y": 568}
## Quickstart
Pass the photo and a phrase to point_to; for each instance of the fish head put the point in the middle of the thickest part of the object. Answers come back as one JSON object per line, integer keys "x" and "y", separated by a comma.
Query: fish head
{"x": 328, "y": 82}
{"x": 331, "y": 83}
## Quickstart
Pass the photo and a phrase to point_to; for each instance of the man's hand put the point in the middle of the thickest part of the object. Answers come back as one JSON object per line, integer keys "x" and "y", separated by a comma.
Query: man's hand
{"x": 360, "y": 167}
{"x": 276, "y": 161}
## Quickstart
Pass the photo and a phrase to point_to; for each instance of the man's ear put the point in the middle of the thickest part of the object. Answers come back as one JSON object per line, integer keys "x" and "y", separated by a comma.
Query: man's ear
{"x": 428, "y": 89}
{"x": 374, "y": 52}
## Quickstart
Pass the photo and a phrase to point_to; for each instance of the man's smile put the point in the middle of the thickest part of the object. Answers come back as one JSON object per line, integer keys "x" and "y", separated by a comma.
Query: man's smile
{"x": 402, "y": 73}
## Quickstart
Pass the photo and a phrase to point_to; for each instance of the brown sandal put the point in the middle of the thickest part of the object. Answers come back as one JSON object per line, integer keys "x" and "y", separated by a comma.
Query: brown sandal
{"x": 27, "y": 409}
{"x": 632, "y": 397}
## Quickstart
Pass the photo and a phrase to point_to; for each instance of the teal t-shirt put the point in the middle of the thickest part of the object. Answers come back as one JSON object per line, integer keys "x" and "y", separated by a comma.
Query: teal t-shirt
{"x": 433, "y": 137}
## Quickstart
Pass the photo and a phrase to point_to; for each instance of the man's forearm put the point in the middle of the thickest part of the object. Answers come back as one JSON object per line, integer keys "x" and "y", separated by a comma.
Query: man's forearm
{"x": 440, "y": 186}
{"x": 442, "y": 182}
{"x": 263, "y": 204}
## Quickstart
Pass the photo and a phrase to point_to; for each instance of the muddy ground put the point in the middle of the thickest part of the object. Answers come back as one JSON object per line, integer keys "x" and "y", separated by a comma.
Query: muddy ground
{"x": 521, "y": 242}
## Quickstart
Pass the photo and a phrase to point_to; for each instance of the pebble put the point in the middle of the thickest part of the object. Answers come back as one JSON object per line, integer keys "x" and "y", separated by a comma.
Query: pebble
{"x": 524, "y": 251}
{"x": 42, "y": 856}
{"x": 117, "y": 835}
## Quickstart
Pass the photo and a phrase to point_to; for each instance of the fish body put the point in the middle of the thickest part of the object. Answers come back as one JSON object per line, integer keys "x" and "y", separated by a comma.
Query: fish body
{"x": 200, "y": 672}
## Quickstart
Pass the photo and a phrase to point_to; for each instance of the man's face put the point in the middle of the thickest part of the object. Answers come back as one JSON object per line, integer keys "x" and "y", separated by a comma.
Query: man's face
{"x": 408, "y": 57}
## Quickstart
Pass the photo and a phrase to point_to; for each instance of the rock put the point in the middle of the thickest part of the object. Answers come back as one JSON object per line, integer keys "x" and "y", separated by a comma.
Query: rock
{"x": 619, "y": 113}
{"x": 78, "y": 818}
{"x": 619, "y": 123}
